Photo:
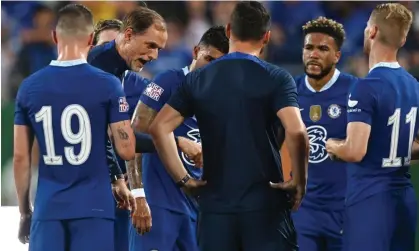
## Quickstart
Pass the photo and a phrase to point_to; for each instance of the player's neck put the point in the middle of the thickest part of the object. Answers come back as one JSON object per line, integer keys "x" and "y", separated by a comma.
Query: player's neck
{"x": 192, "y": 65}
{"x": 119, "y": 46}
{"x": 71, "y": 51}
{"x": 318, "y": 84}
{"x": 245, "y": 47}
{"x": 380, "y": 54}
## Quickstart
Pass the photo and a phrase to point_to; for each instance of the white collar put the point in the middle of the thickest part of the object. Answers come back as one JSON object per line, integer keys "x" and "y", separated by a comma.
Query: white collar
{"x": 185, "y": 70}
{"x": 393, "y": 65}
{"x": 68, "y": 63}
{"x": 329, "y": 84}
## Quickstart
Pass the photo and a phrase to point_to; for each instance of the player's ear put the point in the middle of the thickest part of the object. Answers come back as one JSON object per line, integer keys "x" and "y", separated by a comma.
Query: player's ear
{"x": 54, "y": 36}
{"x": 90, "y": 42}
{"x": 128, "y": 33}
{"x": 338, "y": 54}
{"x": 195, "y": 52}
{"x": 228, "y": 30}
{"x": 266, "y": 37}
{"x": 373, "y": 31}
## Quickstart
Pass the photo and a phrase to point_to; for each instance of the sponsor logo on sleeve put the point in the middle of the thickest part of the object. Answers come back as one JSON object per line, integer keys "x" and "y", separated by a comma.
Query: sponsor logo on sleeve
{"x": 123, "y": 104}
{"x": 153, "y": 91}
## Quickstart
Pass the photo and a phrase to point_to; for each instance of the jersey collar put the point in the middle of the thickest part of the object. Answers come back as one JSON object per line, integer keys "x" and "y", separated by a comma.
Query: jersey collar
{"x": 329, "y": 84}
{"x": 185, "y": 70}
{"x": 393, "y": 65}
{"x": 67, "y": 63}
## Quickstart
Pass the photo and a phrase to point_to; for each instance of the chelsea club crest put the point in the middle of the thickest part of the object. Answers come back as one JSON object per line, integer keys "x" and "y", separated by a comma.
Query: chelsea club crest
{"x": 334, "y": 111}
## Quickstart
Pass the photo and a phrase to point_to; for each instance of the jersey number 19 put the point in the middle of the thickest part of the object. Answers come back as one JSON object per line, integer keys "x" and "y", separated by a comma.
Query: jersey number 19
{"x": 394, "y": 120}
{"x": 82, "y": 137}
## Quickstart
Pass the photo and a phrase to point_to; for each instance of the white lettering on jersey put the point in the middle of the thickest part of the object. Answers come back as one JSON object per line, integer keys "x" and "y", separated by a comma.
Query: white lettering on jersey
{"x": 123, "y": 104}
{"x": 352, "y": 103}
{"x": 317, "y": 137}
{"x": 153, "y": 91}
{"x": 193, "y": 135}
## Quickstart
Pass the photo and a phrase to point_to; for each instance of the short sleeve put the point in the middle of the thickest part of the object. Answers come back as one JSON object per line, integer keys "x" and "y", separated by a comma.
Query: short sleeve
{"x": 182, "y": 100}
{"x": 158, "y": 92}
{"x": 361, "y": 102}
{"x": 118, "y": 105}
{"x": 21, "y": 109}
{"x": 285, "y": 92}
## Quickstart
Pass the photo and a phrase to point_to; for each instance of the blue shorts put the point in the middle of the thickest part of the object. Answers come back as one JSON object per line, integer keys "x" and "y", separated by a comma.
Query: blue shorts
{"x": 382, "y": 222}
{"x": 72, "y": 235}
{"x": 267, "y": 230}
{"x": 122, "y": 222}
{"x": 171, "y": 231}
{"x": 318, "y": 230}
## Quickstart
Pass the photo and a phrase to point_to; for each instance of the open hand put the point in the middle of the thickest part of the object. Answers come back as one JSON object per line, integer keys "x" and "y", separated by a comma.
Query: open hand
{"x": 141, "y": 218}
{"x": 123, "y": 196}
{"x": 24, "y": 228}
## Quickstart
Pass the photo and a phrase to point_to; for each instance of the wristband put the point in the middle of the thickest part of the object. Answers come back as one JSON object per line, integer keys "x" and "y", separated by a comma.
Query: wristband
{"x": 116, "y": 177}
{"x": 138, "y": 193}
{"x": 182, "y": 182}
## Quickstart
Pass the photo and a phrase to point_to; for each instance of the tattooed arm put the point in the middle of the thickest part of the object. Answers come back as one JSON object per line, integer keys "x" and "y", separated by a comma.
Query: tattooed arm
{"x": 142, "y": 118}
{"x": 124, "y": 139}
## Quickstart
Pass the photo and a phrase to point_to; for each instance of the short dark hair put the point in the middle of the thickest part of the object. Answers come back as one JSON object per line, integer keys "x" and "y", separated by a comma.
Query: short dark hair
{"x": 215, "y": 37}
{"x": 142, "y": 18}
{"x": 75, "y": 18}
{"x": 109, "y": 24}
{"x": 326, "y": 26}
{"x": 249, "y": 21}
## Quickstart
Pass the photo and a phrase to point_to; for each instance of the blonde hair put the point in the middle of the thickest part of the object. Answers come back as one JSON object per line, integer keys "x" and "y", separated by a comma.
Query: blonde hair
{"x": 393, "y": 21}
{"x": 326, "y": 26}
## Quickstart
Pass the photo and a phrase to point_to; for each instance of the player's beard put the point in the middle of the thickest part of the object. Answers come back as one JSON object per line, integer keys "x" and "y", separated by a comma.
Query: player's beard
{"x": 322, "y": 74}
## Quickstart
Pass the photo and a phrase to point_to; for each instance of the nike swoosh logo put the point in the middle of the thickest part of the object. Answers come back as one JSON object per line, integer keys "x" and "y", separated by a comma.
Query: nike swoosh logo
{"x": 301, "y": 109}
{"x": 352, "y": 103}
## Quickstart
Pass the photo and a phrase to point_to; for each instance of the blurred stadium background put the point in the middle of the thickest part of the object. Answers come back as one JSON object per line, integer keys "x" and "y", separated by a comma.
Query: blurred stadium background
{"x": 26, "y": 46}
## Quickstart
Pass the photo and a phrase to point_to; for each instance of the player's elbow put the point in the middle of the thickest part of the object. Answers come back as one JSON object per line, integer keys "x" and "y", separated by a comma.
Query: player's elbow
{"x": 155, "y": 129}
{"x": 127, "y": 154}
{"x": 297, "y": 133}
{"x": 356, "y": 155}
{"x": 126, "y": 150}
{"x": 21, "y": 160}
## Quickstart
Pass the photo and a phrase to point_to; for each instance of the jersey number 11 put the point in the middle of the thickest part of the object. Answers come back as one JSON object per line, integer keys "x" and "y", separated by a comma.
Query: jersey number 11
{"x": 394, "y": 120}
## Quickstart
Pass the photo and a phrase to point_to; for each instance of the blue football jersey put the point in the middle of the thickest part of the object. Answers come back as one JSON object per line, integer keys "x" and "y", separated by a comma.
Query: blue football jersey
{"x": 388, "y": 100}
{"x": 235, "y": 99}
{"x": 107, "y": 58}
{"x": 133, "y": 85}
{"x": 69, "y": 105}
{"x": 160, "y": 189}
{"x": 324, "y": 114}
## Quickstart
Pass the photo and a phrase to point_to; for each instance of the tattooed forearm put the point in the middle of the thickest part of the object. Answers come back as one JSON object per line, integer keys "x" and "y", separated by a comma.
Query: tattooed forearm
{"x": 143, "y": 116}
{"x": 122, "y": 134}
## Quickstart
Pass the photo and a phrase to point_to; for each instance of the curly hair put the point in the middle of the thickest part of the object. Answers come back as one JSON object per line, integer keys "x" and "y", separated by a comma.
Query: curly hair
{"x": 326, "y": 26}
